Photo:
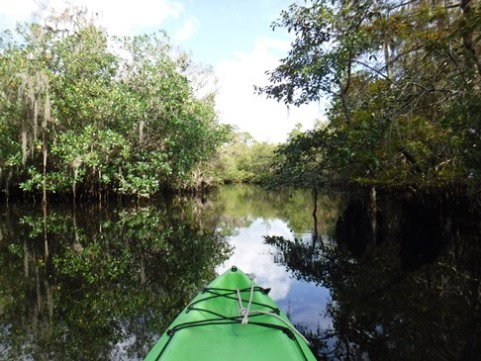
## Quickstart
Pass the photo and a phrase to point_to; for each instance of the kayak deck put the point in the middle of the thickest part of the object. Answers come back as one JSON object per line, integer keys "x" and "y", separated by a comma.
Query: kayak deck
{"x": 231, "y": 319}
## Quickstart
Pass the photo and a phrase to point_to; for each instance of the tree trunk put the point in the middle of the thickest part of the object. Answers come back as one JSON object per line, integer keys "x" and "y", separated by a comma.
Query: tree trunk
{"x": 345, "y": 106}
{"x": 44, "y": 180}
{"x": 74, "y": 185}
{"x": 45, "y": 233}
{"x": 387, "y": 59}
{"x": 35, "y": 121}
{"x": 141, "y": 131}
{"x": 468, "y": 35}
{"x": 315, "y": 237}
{"x": 24, "y": 147}
{"x": 26, "y": 268}
{"x": 7, "y": 185}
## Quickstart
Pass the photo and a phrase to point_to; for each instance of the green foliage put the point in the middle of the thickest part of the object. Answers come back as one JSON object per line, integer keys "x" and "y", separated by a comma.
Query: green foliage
{"x": 391, "y": 276}
{"x": 16, "y": 250}
{"x": 299, "y": 162}
{"x": 93, "y": 265}
{"x": 82, "y": 111}
{"x": 77, "y": 282}
{"x": 141, "y": 177}
{"x": 404, "y": 83}
{"x": 244, "y": 160}
{"x": 243, "y": 204}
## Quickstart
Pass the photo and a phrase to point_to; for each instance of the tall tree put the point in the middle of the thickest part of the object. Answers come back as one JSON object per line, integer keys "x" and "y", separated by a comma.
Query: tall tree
{"x": 404, "y": 79}
{"x": 87, "y": 113}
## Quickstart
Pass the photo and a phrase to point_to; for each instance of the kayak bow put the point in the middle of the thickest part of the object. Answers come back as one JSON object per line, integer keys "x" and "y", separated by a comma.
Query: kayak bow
{"x": 231, "y": 319}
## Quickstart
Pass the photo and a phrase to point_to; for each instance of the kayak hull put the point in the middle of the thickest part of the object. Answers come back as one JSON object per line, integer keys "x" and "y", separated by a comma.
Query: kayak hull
{"x": 232, "y": 319}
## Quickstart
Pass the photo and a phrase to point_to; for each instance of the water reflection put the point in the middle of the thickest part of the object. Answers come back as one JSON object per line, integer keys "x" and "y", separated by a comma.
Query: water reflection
{"x": 404, "y": 276}
{"x": 367, "y": 276}
{"x": 91, "y": 283}
{"x": 95, "y": 284}
{"x": 253, "y": 256}
{"x": 259, "y": 214}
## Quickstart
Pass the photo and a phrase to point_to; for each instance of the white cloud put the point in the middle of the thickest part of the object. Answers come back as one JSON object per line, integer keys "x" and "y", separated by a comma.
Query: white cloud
{"x": 190, "y": 27}
{"x": 10, "y": 13}
{"x": 252, "y": 255}
{"x": 266, "y": 120}
{"x": 119, "y": 17}
{"x": 127, "y": 17}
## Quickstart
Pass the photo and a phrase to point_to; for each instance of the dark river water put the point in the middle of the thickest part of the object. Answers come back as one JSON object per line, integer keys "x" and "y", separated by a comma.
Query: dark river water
{"x": 365, "y": 275}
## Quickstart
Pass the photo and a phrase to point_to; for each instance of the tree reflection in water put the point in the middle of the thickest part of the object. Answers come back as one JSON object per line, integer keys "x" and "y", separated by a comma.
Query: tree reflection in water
{"x": 404, "y": 275}
{"x": 106, "y": 283}
{"x": 99, "y": 284}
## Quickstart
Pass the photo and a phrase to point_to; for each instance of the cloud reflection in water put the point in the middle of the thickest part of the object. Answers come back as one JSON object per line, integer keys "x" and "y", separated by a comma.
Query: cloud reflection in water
{"x": 303, "y": 301}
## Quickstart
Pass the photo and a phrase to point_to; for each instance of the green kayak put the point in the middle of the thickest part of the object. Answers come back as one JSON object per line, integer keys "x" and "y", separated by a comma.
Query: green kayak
{"x": 231, "y": 319}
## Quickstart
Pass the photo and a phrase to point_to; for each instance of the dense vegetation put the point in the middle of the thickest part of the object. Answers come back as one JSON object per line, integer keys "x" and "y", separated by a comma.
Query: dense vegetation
{"x": 78, "y": 284}
{"x": 87, "y": 113}
{"x": 404, "y": 78}
{"x": 244, "y": 160}
{"x": 403, "y": 276}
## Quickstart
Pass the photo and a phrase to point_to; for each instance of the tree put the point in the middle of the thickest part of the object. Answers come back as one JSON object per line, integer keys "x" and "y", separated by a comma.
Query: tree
{"x": 90, "y": 114}
{"x": 171, "y": 122}
{"x": 403, "y": 77}
{"x": 244, "y": 160}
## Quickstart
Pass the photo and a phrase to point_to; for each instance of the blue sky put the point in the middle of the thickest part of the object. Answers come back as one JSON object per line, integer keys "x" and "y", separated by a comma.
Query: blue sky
{"x": 232, "y": 36}
{"x": 226, "y": 27}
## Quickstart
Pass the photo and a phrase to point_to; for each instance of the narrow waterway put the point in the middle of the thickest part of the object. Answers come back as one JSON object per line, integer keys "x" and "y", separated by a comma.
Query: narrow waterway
{"x": 365, "y": 275}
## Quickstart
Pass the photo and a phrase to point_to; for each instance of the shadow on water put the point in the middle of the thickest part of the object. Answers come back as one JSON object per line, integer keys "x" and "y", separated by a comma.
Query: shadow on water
{"x": 401, "y": 272}
{"x": 404, "y": 275}
{"x": 96, "y": 284}
{"x": 92, "y": 284}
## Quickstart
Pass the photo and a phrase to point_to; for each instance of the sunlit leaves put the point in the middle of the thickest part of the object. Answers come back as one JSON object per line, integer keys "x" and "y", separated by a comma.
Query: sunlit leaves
{"x": 100, "y": 114}
{"x": 244, "y": 160}
{"x": 404, "y": 83}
